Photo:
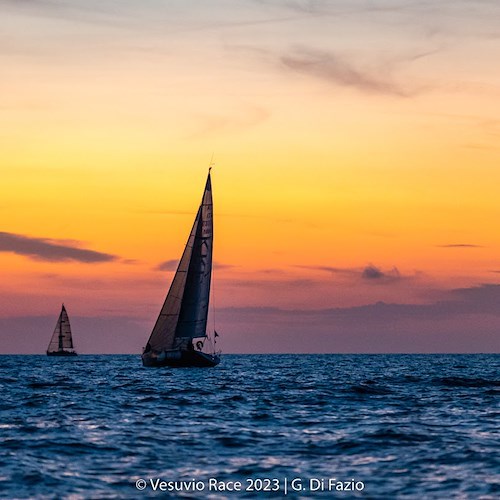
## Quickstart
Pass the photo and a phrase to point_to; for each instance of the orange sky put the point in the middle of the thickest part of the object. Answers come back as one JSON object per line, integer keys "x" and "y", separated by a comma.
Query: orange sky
{"x": 356, "y": 151}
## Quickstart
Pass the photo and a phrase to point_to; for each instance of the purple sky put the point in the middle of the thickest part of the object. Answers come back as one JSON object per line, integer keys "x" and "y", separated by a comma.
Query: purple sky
{"x": 467, "y": 321}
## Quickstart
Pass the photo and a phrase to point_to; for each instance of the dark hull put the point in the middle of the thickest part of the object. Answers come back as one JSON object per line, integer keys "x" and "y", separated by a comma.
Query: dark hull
{"x": 61, "y": 353}
{"x": 182, "y": 359}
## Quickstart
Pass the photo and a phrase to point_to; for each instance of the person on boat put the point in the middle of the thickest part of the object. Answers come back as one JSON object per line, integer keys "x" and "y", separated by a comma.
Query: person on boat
{"x": 199, "y": 345}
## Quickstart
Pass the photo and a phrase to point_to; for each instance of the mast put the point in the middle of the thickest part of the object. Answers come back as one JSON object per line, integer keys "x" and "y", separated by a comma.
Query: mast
{"x": 60, "y": 329}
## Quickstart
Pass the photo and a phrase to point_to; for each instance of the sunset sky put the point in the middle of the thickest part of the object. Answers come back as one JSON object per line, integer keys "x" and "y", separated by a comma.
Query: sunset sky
{"x": 356, "y": 181}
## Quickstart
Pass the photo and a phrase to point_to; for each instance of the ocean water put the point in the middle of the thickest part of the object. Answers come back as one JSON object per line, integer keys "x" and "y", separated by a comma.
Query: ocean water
{"x": 376, "y": 426}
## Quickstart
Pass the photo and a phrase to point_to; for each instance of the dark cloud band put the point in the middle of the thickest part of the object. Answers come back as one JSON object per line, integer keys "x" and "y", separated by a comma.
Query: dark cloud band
{"x": 49, "y": 250}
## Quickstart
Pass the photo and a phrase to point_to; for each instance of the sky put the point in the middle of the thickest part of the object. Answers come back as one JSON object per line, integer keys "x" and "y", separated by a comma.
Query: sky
{"x": 356, "y": 182}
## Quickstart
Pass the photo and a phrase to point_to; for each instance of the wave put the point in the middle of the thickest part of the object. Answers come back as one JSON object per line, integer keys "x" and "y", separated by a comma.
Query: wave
{"x": 466, "y": 382}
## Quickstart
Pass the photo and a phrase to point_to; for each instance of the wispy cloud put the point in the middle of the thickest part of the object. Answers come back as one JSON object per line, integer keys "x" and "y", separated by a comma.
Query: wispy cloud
{"x": 328, "y": 269}
{"x": 219, "y": 266}
{"x": 338, "y": 70}
{"x": 460, "y": 245}
{"x": 78, "y": 11}
{"x": 447, "y": 17}
{"x": 50, "y": 250}
{"x": 167, "y": 265}
{"x": 130, "y": 261}
{"x": 270, "y": 284}
{"x": 369, "y": 273}
{"x": 272, "y": 270}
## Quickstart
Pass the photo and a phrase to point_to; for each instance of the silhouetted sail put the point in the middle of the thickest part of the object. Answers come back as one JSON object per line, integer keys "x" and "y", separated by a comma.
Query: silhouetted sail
{"x": 194, "y": 309}
{"x": 61, "y": 340}
{"x": 183, "y": 316}
{"x": 184, "y": 313}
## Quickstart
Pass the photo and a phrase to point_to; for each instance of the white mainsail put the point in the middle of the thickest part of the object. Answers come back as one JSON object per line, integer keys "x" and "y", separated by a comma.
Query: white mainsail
{"x": 185, "y": 310}
{"x": 61, "y": 338}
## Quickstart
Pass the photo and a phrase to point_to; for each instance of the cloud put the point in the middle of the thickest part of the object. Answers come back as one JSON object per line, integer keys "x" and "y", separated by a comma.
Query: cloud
{"x": 130, "y": 261}
{"x": 482, "y": 299}
{"x": 77, "y": 11}
{"x": 167, "y": 265}
{"x": 467, "y": 321}
{"x": 273, "y": 270}
{"x": 219, "y": 266}
{"x": 372, "y": 272}
{"x": 50, "y": 250}
{"x": 338, "y": 70}
{"x": 433, "y": 17}
{"x": 480, "y": 147}
{"x": 329, "y": 269}
{"x": 369, "y": 273}
{"x": 287, "y": 284}
{"x": 459, "y": 245}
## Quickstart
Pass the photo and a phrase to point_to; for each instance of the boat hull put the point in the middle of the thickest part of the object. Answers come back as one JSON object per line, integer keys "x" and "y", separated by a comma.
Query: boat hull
{"x": 181, "y": 359}
{"x": 61, "y": 353}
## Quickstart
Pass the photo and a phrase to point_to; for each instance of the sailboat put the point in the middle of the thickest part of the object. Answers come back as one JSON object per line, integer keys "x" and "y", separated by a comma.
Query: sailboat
{"x": 61, "y": 343}
{"x": 183, "y": 317}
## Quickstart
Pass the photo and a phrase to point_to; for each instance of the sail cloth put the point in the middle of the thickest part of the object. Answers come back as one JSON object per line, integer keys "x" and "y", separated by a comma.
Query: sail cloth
{"x": 61, "y": 338}
{"x": 185, "y": 310}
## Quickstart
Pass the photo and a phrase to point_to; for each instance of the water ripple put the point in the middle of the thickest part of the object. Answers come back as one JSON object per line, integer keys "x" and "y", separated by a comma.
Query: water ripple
{"x": 407, "y": 426}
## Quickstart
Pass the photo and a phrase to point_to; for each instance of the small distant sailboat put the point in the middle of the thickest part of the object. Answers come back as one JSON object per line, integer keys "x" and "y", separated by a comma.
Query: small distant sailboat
{"x": 61, "y": 343}
{"x": 183, "y": 316}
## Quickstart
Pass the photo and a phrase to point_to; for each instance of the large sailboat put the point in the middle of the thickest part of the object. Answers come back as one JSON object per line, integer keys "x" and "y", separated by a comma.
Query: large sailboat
{"x": 183, "y": 317}
{"x": 61, "y": 343}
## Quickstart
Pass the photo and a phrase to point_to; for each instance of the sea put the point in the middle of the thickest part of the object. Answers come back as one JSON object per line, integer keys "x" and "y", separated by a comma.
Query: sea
{"x": 256, "y": 426}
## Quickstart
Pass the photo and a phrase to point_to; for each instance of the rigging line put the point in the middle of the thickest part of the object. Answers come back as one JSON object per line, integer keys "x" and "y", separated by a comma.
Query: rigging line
{"x": 213, "y": 303}
{"x": 213, "y": 273}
